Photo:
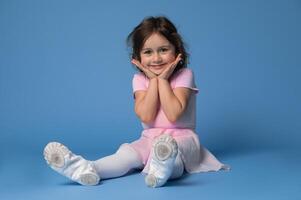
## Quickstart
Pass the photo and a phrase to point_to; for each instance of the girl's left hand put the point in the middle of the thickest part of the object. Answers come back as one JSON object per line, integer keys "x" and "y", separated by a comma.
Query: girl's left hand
{"x": 146, "y": 71}
{"x": 169, "y": 70}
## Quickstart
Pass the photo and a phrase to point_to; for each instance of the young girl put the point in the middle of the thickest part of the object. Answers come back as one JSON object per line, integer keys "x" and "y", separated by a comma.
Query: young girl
{"x": 165, "y": 98}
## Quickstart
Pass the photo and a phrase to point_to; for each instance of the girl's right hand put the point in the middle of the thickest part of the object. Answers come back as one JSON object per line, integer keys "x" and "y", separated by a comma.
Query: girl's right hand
{"x": 146, "y": 71}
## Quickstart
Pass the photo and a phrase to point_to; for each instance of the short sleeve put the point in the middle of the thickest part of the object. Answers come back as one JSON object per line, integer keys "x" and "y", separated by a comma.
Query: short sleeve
{"x": 139, "y": 82}
{"x": 185, "y": 78}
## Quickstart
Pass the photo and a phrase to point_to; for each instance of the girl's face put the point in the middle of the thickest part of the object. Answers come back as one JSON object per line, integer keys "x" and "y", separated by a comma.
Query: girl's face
{"x": 157, "y": 53}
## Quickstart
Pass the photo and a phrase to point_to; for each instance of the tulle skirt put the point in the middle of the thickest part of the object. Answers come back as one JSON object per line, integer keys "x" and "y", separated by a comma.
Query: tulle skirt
{"x": 195, "y": 157}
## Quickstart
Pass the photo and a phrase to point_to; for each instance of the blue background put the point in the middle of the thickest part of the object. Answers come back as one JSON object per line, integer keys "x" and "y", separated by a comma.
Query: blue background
{"x": 65, "y": 75}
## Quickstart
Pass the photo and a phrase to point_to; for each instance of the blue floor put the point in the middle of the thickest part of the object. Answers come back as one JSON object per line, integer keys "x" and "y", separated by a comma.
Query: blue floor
{"x": 65, "y": 72}
{"x": 256, "y": 174}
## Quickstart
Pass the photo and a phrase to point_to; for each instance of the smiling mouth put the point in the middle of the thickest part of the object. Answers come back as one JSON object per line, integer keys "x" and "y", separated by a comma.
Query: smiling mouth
{"x": 157, "y": 66}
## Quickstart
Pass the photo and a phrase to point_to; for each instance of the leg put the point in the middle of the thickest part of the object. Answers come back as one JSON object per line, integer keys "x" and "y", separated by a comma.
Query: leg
{"x": 62, "y": 160}
{"x": 118, "y": 164}
{"x": 178, "y": 168}
{"x": 164, "y": 152}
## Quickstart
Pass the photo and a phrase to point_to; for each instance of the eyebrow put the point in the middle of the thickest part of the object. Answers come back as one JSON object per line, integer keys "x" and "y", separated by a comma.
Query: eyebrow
{"x": 163, "y": 46}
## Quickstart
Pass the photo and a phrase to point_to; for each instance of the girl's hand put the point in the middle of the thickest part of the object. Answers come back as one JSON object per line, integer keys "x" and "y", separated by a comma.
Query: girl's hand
{"x": 169, "y": 70}
{"x": 146, "y": 71}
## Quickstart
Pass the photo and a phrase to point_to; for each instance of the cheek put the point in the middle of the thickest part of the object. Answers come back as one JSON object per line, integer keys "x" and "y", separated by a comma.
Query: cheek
{"x": 170, "y": 58}
{"x": 144, "y": 61}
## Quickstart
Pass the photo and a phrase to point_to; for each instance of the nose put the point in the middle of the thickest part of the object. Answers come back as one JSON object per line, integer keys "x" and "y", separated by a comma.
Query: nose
{"x": 157, "y": 58}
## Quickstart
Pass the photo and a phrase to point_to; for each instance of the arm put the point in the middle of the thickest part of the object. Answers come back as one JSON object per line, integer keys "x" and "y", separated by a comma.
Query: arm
{"x": 173, "y": 102}
{"x": 147, "y": 102}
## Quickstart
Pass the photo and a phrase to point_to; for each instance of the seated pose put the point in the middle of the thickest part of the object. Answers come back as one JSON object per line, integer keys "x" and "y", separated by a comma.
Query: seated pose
{"x": 165, "y": 97}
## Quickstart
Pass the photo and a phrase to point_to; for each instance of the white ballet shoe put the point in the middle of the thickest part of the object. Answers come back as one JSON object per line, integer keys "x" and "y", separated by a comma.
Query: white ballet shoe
{"x": 54, "y": 154}
{"x": 164, "y": 152}
{"x": 63, "y": 161}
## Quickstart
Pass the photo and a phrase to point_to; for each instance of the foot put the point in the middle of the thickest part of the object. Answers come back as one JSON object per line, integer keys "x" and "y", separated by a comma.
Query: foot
{"x": 55, "y": 153}
{"x": 63, "y": 161}
{"x": 164, "y": 152}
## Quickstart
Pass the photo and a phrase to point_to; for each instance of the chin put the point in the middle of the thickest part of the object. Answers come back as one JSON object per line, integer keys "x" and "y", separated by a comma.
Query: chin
{"x": 157, "y": 72}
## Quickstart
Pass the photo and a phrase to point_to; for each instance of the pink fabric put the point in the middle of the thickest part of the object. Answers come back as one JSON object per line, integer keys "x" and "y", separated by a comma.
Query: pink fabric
{"x": 195, "y": 157}
{"x": 183, "y": 78}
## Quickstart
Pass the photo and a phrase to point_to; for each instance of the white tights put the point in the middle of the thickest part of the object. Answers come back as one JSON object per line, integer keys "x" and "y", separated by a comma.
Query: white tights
{"x": 125, "y": 160}
{"x": 118, "y": 164}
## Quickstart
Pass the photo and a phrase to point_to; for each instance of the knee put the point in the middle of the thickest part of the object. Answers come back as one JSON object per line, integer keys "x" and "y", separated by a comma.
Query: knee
{"x": 129, "y": 155}
{"x": 125, "y": 149}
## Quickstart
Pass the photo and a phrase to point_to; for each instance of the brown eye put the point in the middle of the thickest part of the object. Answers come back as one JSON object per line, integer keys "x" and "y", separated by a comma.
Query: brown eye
{"x": 147, "y": 52}
{"x": 164, "y": 49}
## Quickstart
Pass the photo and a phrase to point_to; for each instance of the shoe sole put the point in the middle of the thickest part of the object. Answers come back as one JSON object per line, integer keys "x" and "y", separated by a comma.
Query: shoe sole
{"x": 89, "y": 179}
{"x": 54, "y": 154}
{"x": 165, "y": 147}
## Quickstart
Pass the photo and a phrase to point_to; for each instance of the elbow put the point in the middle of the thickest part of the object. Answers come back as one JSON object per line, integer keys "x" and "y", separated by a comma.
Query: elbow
{"x": 146, "y": 119}
{"x": 175, "y": 114}
{"x": 173, "y": 118}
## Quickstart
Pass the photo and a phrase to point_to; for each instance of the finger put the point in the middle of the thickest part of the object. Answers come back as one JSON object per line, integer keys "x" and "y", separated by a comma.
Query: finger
{"x": 135, "y": 62}
{"x": 175, "y": 63}
{"x": 146, "y": 71}
{"x": 169, "y": 69}
{"x": 179, "y": 57}
{"x": 138, "y": 64}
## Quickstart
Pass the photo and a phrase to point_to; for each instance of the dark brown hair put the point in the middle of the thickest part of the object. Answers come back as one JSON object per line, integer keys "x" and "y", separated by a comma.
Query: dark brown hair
{"x": 164, "y": 27}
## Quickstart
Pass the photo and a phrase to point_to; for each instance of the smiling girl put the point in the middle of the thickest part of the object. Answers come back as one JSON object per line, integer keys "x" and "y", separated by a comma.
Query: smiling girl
{"x": 165, "y": 99}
